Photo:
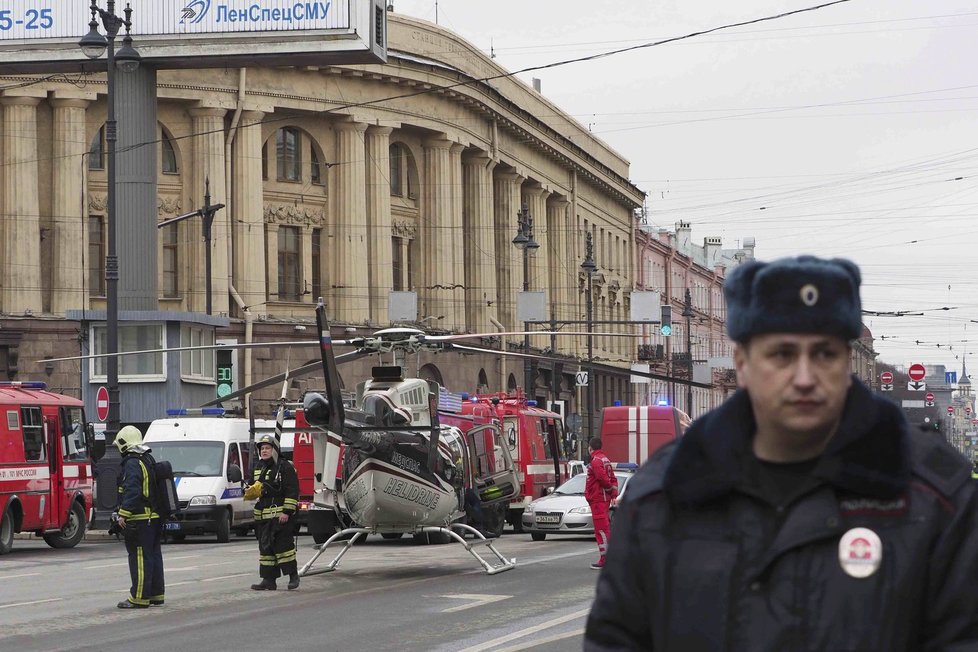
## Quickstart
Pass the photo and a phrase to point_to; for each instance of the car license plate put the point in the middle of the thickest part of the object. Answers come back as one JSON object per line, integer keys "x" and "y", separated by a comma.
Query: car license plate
{"x": 548, "y": 518}
{"x": 171, "y": 525}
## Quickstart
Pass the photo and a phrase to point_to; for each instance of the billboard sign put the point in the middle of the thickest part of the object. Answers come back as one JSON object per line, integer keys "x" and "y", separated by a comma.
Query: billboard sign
{"x": 167, "y": 32}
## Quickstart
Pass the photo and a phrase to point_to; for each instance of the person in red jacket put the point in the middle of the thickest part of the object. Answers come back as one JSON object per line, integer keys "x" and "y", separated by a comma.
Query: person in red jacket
{"x": 599, "y": 490}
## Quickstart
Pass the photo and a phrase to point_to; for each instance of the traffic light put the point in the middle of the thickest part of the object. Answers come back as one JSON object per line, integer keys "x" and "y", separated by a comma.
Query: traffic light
{"x": 665, "y": 321}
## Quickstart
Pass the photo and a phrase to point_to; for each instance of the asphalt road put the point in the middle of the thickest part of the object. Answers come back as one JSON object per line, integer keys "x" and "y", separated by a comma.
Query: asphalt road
{"x": 385, "y": 595}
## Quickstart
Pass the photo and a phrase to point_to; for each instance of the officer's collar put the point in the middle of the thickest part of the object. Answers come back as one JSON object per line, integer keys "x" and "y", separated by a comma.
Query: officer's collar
{"x": 869, "y": 455}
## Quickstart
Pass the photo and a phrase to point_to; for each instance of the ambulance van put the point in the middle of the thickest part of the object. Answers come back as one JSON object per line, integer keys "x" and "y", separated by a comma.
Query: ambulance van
{"x": 211, "y": 456}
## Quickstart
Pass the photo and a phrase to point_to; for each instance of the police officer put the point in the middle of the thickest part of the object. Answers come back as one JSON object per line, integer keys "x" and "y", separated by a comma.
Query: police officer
{"x": 802, "y": 514}
{"x": 141, "y": 526}
{"x": 276, "y": 486}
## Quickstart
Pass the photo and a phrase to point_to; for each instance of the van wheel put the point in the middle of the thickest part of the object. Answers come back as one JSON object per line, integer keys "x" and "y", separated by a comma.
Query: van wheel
{"x": 223, "y": 527}
{"x": 538, "y": 536}
{"x": 72, "y": 532}
{"x": 6, "y": 532}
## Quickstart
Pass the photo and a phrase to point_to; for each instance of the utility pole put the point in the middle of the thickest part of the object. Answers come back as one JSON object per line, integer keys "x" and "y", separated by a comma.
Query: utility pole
{"x": 688, "y": 314}
{"x": 207, "y": 215}
{"x": 589, "y": 267}
{"x": 524, "y": 241}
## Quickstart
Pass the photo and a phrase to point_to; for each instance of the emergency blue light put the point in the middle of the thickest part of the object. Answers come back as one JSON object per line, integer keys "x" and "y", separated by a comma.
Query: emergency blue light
{"x": 186, "y": 412}
{"x": 531, "y": 403}
{"x": 24, "y": 384}
{"x": 465, "y": 396}
{"x": 626, "y": 466}
{"x": 662, "y": 401}
{"x": 617, "y": 403}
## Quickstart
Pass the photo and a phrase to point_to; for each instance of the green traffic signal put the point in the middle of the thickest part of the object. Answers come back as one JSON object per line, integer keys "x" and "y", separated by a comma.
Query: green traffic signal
{"x": 665, "y": 321}
{"x": 665, "y": 329}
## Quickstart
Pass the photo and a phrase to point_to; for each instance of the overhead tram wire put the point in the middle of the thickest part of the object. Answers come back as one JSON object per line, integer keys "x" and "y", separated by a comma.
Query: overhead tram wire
{"x": 470, "y": 82}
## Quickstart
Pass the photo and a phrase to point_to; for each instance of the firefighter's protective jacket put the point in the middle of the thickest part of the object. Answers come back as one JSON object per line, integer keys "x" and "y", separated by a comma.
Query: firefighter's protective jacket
{"x": 135, "y": 490}
{"x": 280, "y": 489}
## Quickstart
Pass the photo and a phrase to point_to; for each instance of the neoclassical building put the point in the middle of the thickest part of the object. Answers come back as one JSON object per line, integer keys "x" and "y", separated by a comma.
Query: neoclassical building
{"x": 347, "y": 182}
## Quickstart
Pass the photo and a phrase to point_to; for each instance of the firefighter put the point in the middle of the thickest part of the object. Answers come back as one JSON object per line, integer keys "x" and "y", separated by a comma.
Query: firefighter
{"x": 277, "y": 488}
{"x": 600, "y": 488}
{"x": 139, "y": 523}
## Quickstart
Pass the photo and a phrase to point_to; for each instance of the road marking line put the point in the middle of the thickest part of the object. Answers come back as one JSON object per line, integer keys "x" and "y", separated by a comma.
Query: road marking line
{"x": 225, "y": 577}
{"x": 524, "y": 632}
{"x": 477, "y": 598}
{"x": 191, "y": 568}
{"x": 124, "y": 563}
{"x": 24, "y": 604}
{"x": 529, "y": 645}
{"x": 10, "y": 577}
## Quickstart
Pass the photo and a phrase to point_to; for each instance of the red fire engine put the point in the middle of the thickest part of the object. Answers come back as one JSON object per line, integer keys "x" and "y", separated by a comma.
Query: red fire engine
{"x": 533, "y": 435}
{"x": 45, "y": 469}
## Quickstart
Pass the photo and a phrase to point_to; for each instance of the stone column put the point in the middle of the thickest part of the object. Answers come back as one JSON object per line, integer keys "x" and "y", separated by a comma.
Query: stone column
{"x": 509, "y": 268}
{"x": 379, "y": 242}
{"x": 436, "y": 238}
{"x": 458, "y": 237}
{"x": 68, "y": 175}
{"x": 247, "y": 214}
{"x": 208, "y": 157}
{"x": 21, "y": 211}
{"x": 479, "y": 242}
{"x": 563, "y": 273}
{"x": 350, "y": 222}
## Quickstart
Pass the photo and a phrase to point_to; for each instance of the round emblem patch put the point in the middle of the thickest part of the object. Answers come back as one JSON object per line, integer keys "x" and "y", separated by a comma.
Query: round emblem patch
{"x": 809, "y": 295}
{"x": 860, "y": 552}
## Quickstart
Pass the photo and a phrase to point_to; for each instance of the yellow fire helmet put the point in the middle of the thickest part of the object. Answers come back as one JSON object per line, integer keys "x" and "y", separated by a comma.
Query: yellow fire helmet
{"x": 127, "y": 438}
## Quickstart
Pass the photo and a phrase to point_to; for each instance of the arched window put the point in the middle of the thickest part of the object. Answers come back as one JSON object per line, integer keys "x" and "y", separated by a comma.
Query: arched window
{"x": 168, "y": 154}
{"x": 403, "y": 172}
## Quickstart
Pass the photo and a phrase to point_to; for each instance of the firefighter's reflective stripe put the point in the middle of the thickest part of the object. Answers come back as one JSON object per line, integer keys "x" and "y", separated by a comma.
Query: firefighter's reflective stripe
{"x": 268, "y": 513}
{"x": 269, "y": 560}
{"x": 290, "y": 504}
{"x": 285, "y": 557}
{"x": 146, "y": 513}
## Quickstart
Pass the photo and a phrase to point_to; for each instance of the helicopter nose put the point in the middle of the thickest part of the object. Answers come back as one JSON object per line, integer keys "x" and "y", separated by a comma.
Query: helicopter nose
{"x": 316, "y": 408}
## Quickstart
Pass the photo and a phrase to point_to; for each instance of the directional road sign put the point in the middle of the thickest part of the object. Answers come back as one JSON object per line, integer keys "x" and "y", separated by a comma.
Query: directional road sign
{"x": 102, "y": 403}
{"x": 915, "y": 386}
{"x": 916, "y": 371}
{"x": 886, "y": 378}
{"x": 886, "y": 387}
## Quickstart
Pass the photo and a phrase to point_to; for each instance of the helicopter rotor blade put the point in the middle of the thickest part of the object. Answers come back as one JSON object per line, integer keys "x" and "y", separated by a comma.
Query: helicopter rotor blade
{"x": 203, "y": 347}
{"x": 337, "y": 414}
{"x": 298, "y": 372}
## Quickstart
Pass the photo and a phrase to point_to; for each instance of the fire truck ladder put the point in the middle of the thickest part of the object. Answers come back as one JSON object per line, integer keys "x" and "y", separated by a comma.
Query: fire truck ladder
{"x": 496, "y": 564}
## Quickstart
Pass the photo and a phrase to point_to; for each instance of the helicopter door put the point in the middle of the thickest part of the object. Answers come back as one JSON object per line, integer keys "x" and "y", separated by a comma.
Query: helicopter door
{"x": 493, "y": 472}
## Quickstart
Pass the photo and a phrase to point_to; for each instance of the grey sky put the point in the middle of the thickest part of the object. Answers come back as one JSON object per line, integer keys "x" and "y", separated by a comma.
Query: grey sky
{"x": 838, "y": 132}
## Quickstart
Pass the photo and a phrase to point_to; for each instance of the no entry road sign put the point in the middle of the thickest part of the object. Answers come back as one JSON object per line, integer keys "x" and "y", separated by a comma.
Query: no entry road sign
{"x": 916, "y": 371}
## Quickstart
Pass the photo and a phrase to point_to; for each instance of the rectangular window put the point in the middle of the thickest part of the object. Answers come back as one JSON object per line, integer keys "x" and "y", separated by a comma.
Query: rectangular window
{"x": 397, "y": 265}
{"x": 288, "y": 263}
{"x": 287, "y": 154}
{"x": 132, "y": 337}
{"x": 197, "y": 365}
{"x": 315, "y": 169}
{"x": 96, "y": 256}
{"x": 30, "y": 418}
{"x": 395, "y": 170}
{"x": 169, "y": 276}
{"x": 317, "y": 272}
{"x": 264, "y": 162}
{"x": 96, "y": 151}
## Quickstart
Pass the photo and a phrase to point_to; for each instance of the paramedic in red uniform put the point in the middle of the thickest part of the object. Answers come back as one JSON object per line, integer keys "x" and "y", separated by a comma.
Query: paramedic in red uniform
{"x": 599, "y": 490}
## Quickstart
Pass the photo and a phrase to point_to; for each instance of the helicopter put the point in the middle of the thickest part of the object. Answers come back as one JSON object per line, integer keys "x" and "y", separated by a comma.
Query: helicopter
{"x": 402, "y": 471}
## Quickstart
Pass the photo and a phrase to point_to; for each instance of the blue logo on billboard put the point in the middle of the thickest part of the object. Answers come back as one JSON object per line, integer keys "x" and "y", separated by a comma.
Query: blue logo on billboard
{"x": 194, "y": 12}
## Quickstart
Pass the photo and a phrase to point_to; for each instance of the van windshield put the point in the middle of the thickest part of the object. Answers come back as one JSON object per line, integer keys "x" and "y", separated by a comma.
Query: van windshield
{"x": 190, "y": 458}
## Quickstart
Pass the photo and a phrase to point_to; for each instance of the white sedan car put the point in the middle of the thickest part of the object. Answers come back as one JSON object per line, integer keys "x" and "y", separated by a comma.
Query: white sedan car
{"x": 565, "y": 511}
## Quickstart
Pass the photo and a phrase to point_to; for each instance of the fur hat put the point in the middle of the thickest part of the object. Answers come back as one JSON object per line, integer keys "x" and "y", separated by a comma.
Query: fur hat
{"x": 794, "y": 295}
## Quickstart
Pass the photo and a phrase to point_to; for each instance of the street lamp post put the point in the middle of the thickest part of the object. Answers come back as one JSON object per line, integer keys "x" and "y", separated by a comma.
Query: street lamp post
{"x": 688, "y": 314}
{"x": 589, "y": 267}
{"x": 93, "y": 45}
{"x": 524, "y": 240}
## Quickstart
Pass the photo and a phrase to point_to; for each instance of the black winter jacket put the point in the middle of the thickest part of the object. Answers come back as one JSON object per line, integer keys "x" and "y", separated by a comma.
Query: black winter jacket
{"x": 698, "y": 561}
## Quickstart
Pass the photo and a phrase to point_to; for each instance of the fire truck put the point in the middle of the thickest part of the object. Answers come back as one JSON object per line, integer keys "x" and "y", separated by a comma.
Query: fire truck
{"x": 45, "y": 465}
{"x": 537, "y": 443}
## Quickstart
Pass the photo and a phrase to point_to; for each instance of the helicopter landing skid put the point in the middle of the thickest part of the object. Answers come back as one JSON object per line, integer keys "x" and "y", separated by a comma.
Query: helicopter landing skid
{"x": 492, "y": 566}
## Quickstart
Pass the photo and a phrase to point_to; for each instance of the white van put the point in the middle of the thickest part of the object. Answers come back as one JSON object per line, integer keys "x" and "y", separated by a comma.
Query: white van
{"x": 211, "y": 456}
